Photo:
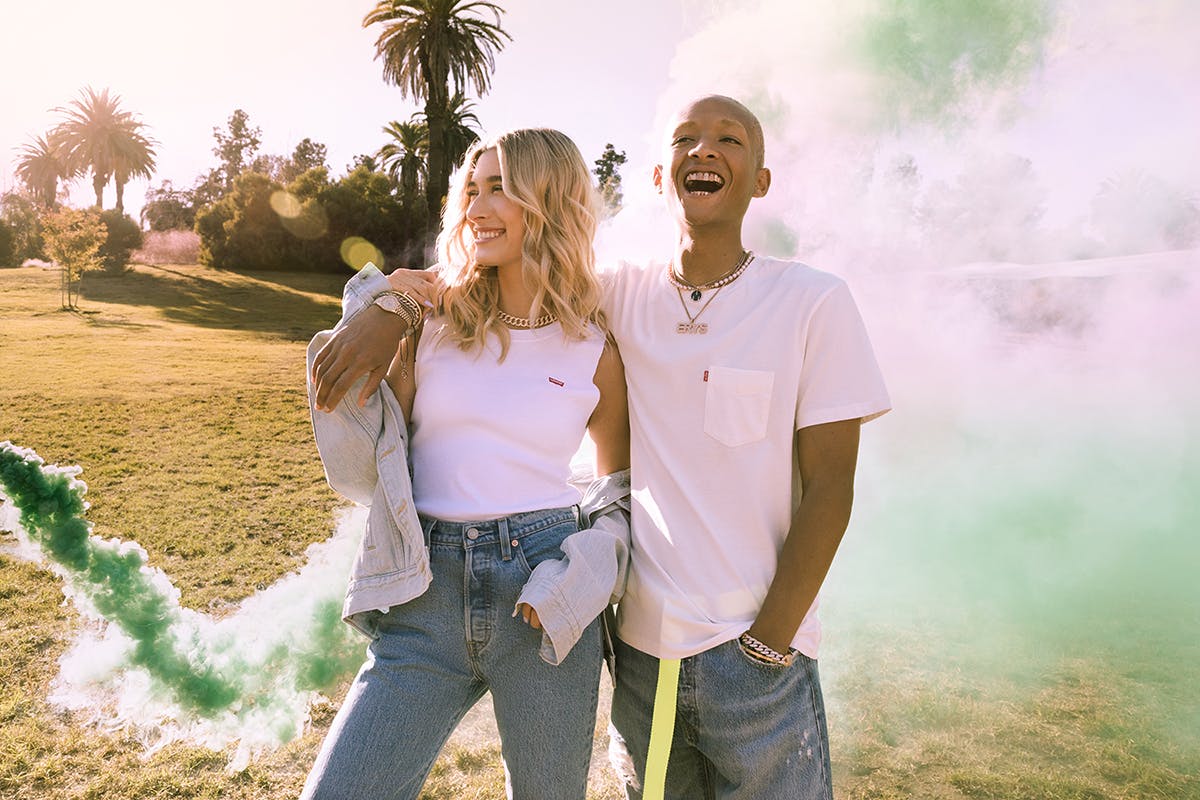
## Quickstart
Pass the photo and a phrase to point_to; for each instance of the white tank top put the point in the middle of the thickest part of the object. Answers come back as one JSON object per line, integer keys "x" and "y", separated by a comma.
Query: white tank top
{"x": 491, "y": 439}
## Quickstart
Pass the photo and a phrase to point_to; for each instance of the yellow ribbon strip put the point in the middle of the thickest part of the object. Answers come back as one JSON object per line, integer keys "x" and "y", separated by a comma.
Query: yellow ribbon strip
{"x": 662, "y": 729}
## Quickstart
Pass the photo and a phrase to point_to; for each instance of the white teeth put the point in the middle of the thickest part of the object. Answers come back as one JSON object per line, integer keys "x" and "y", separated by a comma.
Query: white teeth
{"x": 702, "y": 183}
{"x": 483, "y": 236}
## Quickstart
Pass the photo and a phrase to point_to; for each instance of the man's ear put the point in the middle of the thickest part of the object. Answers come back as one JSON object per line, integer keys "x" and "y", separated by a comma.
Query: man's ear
{"x": 762, "y": 182}
{"x": 658, "y": 178}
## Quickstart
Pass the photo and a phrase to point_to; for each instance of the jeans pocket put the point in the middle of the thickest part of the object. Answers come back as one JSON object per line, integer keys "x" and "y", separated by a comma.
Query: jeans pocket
{"x": 737, "y": 404}
{"x": 367, "y": 622}
{"x": 539, "y": 546}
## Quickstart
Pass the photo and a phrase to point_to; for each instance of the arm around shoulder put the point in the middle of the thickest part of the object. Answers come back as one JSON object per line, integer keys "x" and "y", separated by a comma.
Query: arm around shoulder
{"x": 363, "y": 344}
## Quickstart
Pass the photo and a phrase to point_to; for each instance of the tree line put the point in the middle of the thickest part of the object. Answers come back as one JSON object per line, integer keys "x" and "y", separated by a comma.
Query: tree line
{"x": 263, "y": 211}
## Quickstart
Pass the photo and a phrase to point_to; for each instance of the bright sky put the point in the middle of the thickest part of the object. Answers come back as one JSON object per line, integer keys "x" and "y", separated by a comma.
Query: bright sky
{"x": 306, "y": 68}
{"x": 1117, "y": 92}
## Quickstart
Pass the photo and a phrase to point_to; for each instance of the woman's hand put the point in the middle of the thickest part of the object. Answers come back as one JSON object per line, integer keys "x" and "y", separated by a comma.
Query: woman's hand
{"x": 529, "y": 615}
{"x": 424, "y": 286}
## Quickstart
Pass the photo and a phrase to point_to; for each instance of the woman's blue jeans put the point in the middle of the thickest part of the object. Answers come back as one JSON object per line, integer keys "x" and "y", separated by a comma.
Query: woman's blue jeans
{"x": 435, "y": 656}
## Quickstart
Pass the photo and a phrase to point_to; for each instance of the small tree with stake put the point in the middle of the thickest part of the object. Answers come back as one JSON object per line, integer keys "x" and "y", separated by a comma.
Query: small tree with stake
{"x": 73, "y": 241}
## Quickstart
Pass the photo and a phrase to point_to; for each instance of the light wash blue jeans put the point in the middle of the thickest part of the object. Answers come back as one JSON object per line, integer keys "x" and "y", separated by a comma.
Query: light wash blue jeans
{"x": 435, "y": 656}
{"x": 744, "y": 730}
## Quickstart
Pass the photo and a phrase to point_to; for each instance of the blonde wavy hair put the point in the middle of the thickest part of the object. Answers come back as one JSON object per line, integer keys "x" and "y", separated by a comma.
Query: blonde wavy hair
{"x": 543, "y": 172}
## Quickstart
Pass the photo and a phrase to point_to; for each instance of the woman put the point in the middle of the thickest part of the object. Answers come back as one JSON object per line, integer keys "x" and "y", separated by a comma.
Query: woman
{"x": 498, "y": 387}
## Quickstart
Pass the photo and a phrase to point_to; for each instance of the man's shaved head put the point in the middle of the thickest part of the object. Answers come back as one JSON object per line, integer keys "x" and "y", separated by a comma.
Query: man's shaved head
{"x": 737, "y": 111}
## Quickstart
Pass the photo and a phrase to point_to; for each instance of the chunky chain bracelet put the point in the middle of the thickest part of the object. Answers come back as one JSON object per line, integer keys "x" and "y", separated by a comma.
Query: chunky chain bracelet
{"x": 765, "y": 653}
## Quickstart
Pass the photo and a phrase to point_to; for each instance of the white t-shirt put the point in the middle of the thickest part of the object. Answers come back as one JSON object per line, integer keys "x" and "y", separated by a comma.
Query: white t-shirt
{"x": 713, "y": 420}
{"x": 491, "y": 439}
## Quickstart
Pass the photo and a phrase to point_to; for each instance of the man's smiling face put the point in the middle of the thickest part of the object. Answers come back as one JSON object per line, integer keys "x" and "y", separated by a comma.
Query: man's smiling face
{"x": 712, "y": 165}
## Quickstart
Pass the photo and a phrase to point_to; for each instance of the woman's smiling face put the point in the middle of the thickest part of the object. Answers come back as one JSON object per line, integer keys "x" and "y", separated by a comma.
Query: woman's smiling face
{"x": 497, "y": 224}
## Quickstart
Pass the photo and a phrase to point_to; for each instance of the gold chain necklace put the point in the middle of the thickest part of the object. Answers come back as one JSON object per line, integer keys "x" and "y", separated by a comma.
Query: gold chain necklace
{"x": 523, "y": 323}
{"x": 697, "y": 289}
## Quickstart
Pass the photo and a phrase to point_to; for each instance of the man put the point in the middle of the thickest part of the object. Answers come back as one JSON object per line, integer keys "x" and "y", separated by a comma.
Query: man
{"x": 748, "y": 381}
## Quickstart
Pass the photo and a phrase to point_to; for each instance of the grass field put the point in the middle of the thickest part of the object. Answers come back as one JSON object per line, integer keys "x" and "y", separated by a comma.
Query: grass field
{"x": 180, "y": 392}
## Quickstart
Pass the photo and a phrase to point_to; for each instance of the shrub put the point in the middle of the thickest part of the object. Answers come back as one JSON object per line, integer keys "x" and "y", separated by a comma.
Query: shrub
{"x": 241, "y": 231}
{"x": 123, "y": 237}
{"x": 366, "y": 204}
{"x": 210, "y": 228}
{"x": 260, "y": 226}
{"x": 21, "y": 214}
{"x": 8, "y": 250}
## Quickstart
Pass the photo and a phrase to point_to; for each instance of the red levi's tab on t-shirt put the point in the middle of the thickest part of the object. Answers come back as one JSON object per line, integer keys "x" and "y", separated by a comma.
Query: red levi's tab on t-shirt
{"x": 706, "y": 376}
{"x": 557, "y": 382}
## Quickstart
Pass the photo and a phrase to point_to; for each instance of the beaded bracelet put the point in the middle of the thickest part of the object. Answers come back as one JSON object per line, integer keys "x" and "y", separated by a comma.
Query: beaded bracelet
{"x": 765, "y": 653}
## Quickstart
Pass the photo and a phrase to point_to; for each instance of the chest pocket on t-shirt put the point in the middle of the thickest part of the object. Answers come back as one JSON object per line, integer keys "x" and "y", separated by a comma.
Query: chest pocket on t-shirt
{"x": 737, "y": 403}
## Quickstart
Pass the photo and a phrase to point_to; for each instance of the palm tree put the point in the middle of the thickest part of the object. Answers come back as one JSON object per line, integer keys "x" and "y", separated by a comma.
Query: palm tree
{"x": 426, "y": 45}
{"x": 404, "y": 156}
{"x": 98, "y": 136}
{"x": 136, "y": 160}
{"x": 462, "y": 128}
{"x": 41, "y": 166}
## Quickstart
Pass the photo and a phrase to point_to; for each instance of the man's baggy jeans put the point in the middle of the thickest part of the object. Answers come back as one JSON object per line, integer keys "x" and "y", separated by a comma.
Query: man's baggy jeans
{"x": 744, "y": 729}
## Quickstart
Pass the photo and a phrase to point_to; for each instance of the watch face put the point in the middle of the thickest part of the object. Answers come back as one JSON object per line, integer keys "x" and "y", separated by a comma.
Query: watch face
{"x": 388, "y": 302}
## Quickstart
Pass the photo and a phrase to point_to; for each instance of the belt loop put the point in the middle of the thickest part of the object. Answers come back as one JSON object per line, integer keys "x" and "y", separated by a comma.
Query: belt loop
{"x": 505, "y": 544}
{"x": 427, "y": 524}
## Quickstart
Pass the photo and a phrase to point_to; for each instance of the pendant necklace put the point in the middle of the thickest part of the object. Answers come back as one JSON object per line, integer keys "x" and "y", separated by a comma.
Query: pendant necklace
{"x": 696, "y": 292}
{"x": 691, "y": 326}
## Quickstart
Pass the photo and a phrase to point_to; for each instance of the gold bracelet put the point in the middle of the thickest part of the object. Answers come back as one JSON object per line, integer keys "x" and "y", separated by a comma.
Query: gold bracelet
{"x": 414, "y": 308}
{"x": 405, "y": 307}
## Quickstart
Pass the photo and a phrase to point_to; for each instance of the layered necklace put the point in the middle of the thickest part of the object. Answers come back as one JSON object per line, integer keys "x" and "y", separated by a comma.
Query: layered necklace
{"x": 697, "y": 291}
{"x": 522, "y": 322}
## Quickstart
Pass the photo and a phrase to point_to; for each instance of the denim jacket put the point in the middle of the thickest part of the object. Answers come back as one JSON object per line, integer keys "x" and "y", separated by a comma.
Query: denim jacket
{"x": 366, "y": 459}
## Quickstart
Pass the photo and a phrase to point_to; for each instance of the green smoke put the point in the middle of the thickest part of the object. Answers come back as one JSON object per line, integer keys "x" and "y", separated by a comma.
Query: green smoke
{"x": 110, "y": 575}
{"x": 936, "y": 57}
{"x": 252, "y": 672}
{"x": 1027, "y": 517}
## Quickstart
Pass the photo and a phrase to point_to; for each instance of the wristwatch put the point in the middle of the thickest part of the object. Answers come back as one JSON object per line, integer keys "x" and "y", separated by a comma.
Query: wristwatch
{"x": 401, "y": 305}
